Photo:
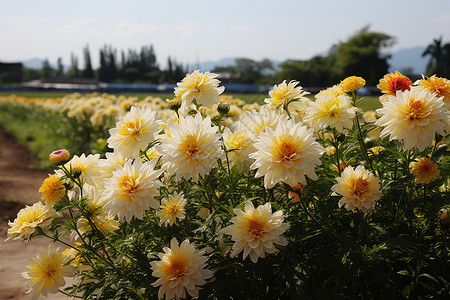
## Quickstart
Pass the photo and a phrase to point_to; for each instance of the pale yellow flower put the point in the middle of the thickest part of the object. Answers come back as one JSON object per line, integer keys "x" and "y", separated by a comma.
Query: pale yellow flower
{"x": 437, "y": 85}
{"x": 52, "y": 189}
{"x": 287, "y": 96}
{"x": 391, "y": 83}
{"x": 286, "y": 154}
{"x": 239, "y": 145}
{"x": 358, "y": 187}
{"x": 413, "y": 116}
{"x": 46, "y": 273}
{"x": 87, "y": 167}
{"x": 134, "y": 131}
{"x": 329, "y": 111}
{"x": 181, "y": 269}
{"x": 258, "y": 122}
{"x": 256, "y": 231}
{"x": 425, "y": 170}
{"x": 192, "y": 148}
{"x": 352, "y": 83}
{"x": 171, "y": 209}
{"x": 201, "y": 87}
{"x": 28, "y": 218}
{"x": 132, "y": 189}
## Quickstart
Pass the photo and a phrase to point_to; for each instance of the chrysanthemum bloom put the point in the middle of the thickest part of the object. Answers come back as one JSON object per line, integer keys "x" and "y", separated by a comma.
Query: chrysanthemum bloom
{"x": 413, "y": 116}
{"x": 192, "y": 148}
{"x": 134, "y": 131}
{"x": 287, "y": 96}
{"x": 328, "y": 111}
{"x": 87, "y": 167}
{"x": 46, "y": 272}
{"x": 257, "y": 122}
{"x": 334, "y": 91}
{"x": 352, "y": 83}
{"x": 438, "y": 85}
{"x": 239, "y": 145}
{"x": 28, "y": 218}
{"x": 391, "y": 83}
{"x": 171, "y": 209}
{"x": 286, "y": 154}
{"x": 359, "y": 189}
{"x": 201, "y": 87}
{"x": 256, "y": 231}
{"x": 181, "y": 269}
{"x": 52, "y": 189}
{"x": 59, "y": 157}
{"x": 131, "y": 189}
{"x": 425, "y": 170}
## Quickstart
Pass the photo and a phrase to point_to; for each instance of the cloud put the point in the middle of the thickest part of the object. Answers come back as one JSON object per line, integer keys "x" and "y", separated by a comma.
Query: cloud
{"x": 445, "y": 18}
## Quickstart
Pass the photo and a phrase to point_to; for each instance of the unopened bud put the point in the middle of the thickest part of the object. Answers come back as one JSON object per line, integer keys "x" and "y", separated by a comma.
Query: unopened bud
{"x": 223, "y": 108}
{"x": 174, "y": 104}
{"x": 59, "y": 157}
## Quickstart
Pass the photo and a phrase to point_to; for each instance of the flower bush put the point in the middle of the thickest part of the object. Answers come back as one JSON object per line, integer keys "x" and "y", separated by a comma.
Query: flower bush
{"x": 298, "y": 199}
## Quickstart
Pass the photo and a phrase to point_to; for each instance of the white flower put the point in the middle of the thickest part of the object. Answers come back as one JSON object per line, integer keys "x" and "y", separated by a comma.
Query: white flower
{"x": 134, "y": 131}
{"x": 412, "y": 116}
{"x": 172, "y": 209}
{"x": 239, "y": 145}
{"x": 256, "y": 231}
{"x": 87, "y": 166}
{"x": 192, "y": 147}
{"x": 286, "y": 154}
{"x": 257, "y": 122}
{"x": 287, "y": 96}
{"x": 131, "y": 189}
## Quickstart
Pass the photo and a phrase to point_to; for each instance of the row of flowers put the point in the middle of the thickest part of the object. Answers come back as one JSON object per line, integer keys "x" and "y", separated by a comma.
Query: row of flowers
{"x": 315, "y": 193}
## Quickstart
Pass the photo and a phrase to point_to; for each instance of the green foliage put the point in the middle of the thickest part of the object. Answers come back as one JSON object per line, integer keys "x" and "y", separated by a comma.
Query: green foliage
{"x": 439, "y": 63}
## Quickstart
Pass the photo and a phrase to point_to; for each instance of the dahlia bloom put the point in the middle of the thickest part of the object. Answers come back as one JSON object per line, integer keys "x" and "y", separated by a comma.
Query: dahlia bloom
{"x": 258, "y": 122}
{"x": 256, "y": 231}
{"x": 131, "y": 189}
{"x": 181, "y": 269}
{"x": 239, "y": 145}
{"x": 328, "y": 111}
{"x": 87, "y": 167}
{"x": 134, "y": 131}
{"x": 192, "y": 148}
{"x": 359, "y": 189}
{"x": 352, "y": 83}
{"x": 287, "y": 96}
{"x": 425, "y": 170}
{"x": 286, "y": 154}
{"x": 201, "y": 87}
{"x": 391, "y": 83}
{"x": 46, "y": 273}
{"x": 413, "y": 116}
{"x": 52, "y": 189}
{"x": 172, "y": 209}
{"x": 28, "y": 218}
{"x": 437, "y": 85}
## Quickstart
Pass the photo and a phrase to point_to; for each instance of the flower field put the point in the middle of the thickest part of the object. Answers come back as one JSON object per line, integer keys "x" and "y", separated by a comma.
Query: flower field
{"x": 207, "y": 196}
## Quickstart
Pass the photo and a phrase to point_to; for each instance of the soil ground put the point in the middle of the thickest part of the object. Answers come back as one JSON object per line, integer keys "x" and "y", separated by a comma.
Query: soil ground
{"x": 19, "y": 186}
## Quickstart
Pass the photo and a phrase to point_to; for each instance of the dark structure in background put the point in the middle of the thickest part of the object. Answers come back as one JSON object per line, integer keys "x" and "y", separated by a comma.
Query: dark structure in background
{"x": 10, "y": 72}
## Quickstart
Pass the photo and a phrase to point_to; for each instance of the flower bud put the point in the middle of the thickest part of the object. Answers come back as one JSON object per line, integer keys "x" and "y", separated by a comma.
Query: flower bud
{"x": 223, "y": 108}
{"x": 174, "y": 104}
{"x": 352, "y": 83}
{"x": 59, "y": 157}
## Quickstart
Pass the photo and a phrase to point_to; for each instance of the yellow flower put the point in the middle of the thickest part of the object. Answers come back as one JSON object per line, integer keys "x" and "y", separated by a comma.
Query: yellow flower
{"x": 239, "y": 145}
{"x": 192, "y": 147}
{"x": 171, "y": 209}
{"x": 413, "y": 116}
{"x": 59, "y": 157}
{"x": 287, "y": 96}
{"x": 359, "y": 189}
{"x": 437, "y": 85}
{"x": 352, "y": 83}
{"x": 258, "y": 122}
{"x": 424, "y": 170}
{"x": 376, "y": 150}
{"x": 256, "y": 231}
{"x": 391, "y": 83}
{"x": 52, "y": 189}
{"x": 46, "y": 272}
{"x": 181, "y": 269}
{"x": 329, "y": 111}
{"x": 288, "y": 154}
{"x": 30, "y": 217}
{"x": 202, "y": 87}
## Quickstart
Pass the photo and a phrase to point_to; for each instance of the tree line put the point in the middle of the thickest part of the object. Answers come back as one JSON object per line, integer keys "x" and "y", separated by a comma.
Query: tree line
{"x": 363, "y": 54}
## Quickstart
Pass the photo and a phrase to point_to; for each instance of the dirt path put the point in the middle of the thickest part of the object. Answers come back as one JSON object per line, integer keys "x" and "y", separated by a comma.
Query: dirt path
{"x": 19, "y": 185}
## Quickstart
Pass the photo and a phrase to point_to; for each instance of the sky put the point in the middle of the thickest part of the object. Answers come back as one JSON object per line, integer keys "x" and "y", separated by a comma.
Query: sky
{"x": 201, "y": 30}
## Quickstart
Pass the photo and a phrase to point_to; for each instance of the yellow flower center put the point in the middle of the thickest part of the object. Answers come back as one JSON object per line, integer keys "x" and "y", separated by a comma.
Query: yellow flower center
{"x": 177, "y": 268}
{"x": 128, "y": 185}
{"x": 286, "y": 149}
{"x": 132, "y": 128}
{"x": 416, "y": 109}
{"x": 190, "y": 146}
{"x": 172, "y": 209}
{"x": 255, "y": 228}
{"x": 360, "y": 187}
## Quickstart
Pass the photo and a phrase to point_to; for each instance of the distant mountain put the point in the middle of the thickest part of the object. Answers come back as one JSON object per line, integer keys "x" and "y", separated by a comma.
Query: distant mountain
{"x": 33, "y": 63}
{"x": 209, "y": 65}
{"x": 409, "y": 58}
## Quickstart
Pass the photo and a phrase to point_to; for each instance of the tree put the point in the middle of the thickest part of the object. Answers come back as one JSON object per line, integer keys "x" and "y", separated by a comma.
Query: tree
{"x": 74, "y": 71}
{"x": 439, "y": 63}
{"x": 87, "y": 71}
{"x": 60, "y": 70}
{"x": 362, "y": 55}
{"x": 108, "y": 67}
{"x": 47, "y": 70}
